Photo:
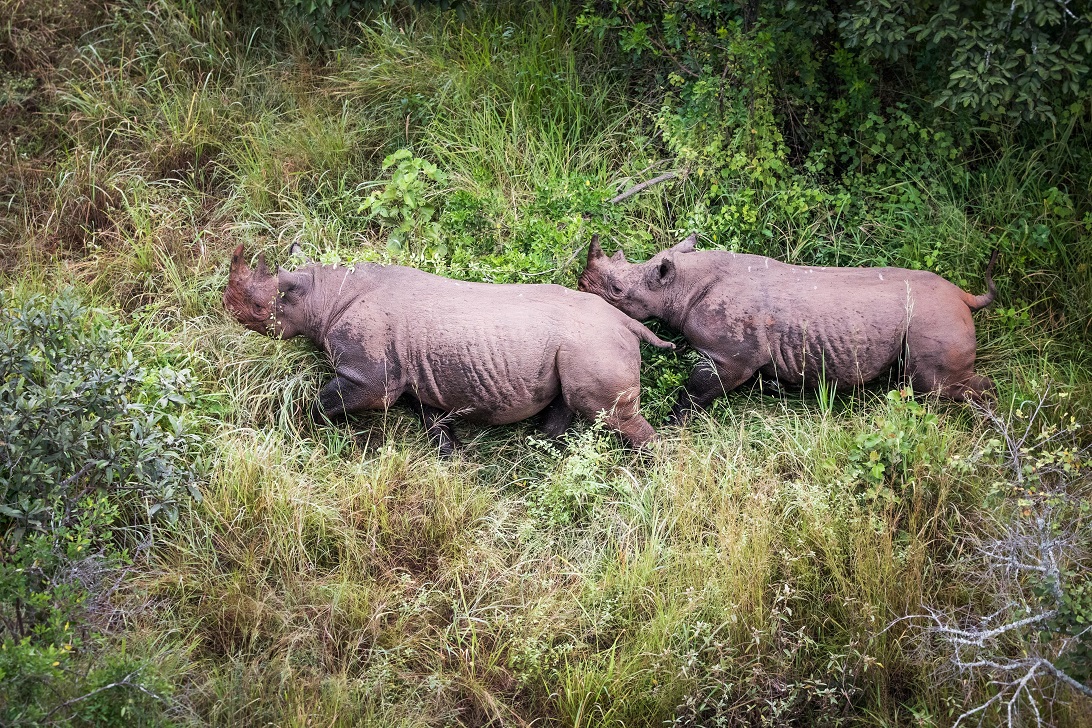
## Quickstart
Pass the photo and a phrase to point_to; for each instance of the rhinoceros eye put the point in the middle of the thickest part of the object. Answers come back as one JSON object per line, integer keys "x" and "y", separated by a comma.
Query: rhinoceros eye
{"x": 615, "y": 289}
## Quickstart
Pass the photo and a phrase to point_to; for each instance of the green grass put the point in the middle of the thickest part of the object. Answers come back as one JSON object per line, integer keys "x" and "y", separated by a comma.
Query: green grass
{"x": 346, "y": 575}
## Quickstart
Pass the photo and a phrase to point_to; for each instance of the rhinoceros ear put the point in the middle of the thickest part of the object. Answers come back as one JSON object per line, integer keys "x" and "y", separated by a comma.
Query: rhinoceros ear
{"x": 662, "y": 275}
{"x": 293, "y": 285}
{"x": 688, "y": 245}
{"x": 297, "y": 252}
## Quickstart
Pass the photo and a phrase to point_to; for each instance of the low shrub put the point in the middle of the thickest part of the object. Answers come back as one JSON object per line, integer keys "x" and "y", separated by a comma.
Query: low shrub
{"x": 95, "y": 449}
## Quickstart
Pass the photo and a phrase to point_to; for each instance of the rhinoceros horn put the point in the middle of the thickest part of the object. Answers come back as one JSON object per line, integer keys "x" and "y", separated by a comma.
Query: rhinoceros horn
{"x": 594, "y": 251}
{"x": 250, "y": 294}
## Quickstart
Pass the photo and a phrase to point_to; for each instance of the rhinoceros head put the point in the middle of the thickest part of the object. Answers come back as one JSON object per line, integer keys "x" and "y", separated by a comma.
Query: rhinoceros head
{"x": 638, "y": 290}
{"x": 251, "y": 294}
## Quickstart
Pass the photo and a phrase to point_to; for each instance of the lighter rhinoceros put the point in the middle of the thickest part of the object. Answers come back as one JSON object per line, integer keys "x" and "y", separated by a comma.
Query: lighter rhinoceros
{"x": 486, "y": 352}
{"x": 749, "y": 314}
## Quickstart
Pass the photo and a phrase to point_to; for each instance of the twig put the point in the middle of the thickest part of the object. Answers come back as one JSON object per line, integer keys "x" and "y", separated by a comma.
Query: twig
{"x": 124, "y": 682}
{"x": 645, "y": 185}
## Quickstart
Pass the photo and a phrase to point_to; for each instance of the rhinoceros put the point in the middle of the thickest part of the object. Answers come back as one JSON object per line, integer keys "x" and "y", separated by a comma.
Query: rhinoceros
{"x": 750, "y": 315}
{"x": 486, "y": 352}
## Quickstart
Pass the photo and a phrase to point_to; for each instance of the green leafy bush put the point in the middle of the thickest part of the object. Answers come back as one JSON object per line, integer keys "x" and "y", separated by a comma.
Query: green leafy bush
{"x": 93, "y": 447}
{"x": 80, "y": 415}
{"x": 1020, "y": 59}
{"x": 578, "y": 478}
{"x": 885, "y": 458}
{"x": 407, "y": 203}
{"x": 323, "y": 18}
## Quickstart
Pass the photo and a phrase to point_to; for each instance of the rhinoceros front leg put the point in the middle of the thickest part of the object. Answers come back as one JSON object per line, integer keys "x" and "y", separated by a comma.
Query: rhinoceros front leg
{"x": 437, "y": 425}
{"x": 709, "y": 380}
{"x": 342, "y": 396}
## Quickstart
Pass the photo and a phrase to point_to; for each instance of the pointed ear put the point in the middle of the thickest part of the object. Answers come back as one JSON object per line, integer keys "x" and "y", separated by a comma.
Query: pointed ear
{"x": 662, "y": 275}
{"x": 296, "y": 250}
{"x": 594, "y": 251}
{"x": 292, "y": 283}
{"x": 687, "y": 246}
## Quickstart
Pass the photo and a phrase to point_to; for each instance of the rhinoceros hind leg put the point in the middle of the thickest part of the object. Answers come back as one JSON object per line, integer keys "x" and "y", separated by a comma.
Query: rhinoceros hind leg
{"x": 556, "y": 418}
{"x": 980, "y": 388}
{"x": 943, "y": 362}
{"x": 621, "y": 413}
{"x": 951, "y": 375}
{"x": 625, "y": 418}
{"x": 975, "y": 389}
{"x": 597, "y": 381}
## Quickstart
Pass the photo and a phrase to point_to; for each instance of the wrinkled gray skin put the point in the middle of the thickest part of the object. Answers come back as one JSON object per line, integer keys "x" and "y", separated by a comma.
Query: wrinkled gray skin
{"x": 490, "y": 353}
{"x": 748, "y": 315}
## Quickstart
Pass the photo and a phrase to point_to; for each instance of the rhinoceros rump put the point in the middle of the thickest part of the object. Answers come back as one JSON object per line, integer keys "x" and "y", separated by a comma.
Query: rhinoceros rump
{"x": 490, "y": 353}
{"x": 748, "y": 314}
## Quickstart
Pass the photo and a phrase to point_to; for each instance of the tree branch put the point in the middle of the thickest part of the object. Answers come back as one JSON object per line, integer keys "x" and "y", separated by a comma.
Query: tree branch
{"x": 645, "y": 185}
{"x": 124, "y": 682}
{"x": 978, "y": 638}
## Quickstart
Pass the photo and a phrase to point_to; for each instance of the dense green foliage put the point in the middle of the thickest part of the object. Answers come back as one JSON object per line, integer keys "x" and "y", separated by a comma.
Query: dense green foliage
{"x": 777, "y": 562}
{"x": 91, "y": 449}
{"x": 801, "y": 123}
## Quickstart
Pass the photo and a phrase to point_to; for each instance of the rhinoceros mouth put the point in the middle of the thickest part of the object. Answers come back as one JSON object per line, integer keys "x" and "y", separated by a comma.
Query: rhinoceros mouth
{"x": 246, "y": 311}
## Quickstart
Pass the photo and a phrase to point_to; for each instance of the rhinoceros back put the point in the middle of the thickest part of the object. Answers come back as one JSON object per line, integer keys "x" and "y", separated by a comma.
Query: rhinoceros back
{"x": 486, "y": 352}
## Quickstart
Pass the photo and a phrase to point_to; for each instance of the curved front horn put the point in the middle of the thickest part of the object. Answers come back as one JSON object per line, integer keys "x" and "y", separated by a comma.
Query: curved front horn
{"x": 594, "y": 251}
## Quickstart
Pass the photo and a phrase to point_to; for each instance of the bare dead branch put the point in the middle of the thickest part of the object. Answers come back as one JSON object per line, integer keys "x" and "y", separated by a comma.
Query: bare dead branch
{"x": 1035, "y": 536}
{"x": 124, "y": 682}
{"x": 645, "y": 185}
{"x": 979, "y": 638}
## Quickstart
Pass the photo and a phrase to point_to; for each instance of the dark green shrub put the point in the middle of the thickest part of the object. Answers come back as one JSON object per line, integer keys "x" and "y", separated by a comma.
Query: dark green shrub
{"x": 93, "y": 449}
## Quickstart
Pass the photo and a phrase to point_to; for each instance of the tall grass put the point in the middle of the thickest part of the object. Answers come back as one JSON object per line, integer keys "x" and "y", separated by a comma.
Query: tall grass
{"x": 728, "y": 564}
{"x": 740, "y": 574}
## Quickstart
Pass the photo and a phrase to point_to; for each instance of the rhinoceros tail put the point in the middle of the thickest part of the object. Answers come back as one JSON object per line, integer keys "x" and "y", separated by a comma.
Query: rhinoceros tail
{"x": 646, "y": 335}
{"x": 977, "y": 302}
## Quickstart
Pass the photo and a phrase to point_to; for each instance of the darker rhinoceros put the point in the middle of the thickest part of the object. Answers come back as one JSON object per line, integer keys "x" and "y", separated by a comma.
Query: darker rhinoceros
{"x": 490, "y": 353}
{"x": 748, "y": 315}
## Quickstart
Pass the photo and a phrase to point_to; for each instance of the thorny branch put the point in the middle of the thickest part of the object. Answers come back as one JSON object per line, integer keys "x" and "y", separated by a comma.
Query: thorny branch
{"x": 1038, "y": 539}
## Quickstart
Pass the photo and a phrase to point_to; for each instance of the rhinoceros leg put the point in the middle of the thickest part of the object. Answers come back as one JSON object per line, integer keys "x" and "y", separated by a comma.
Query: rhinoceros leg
{"x": 709, "y": 380}
{"x": 956, "y": 386}
{"x": 625, "y": 417}
{"x": 341, "y": 396}
{"x": 437, "y": 425}
{"x": 945, "y": 364}
{"x": 595, "y": 383}
{"x": 556, "y": 418}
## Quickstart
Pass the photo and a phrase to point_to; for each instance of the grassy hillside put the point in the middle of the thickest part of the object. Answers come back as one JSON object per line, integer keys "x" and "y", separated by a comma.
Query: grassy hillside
{"x": 780, "y": 560}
